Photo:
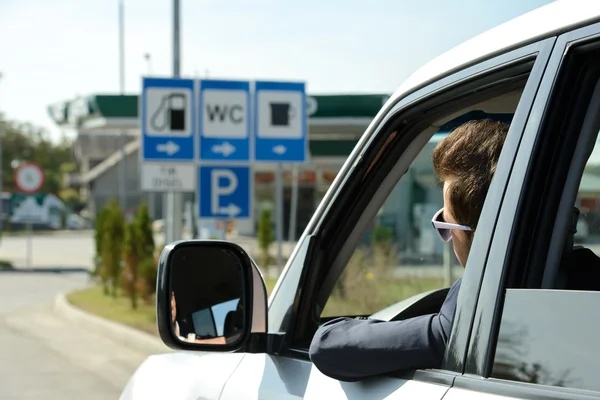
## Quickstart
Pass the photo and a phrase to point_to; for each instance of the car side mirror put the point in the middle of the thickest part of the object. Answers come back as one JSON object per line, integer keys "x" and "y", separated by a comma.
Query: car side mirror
{"x": 210, "y": 296}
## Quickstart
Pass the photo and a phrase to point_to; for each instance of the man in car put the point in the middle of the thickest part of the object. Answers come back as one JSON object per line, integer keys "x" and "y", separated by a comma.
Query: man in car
{"x": 350, "y": 349}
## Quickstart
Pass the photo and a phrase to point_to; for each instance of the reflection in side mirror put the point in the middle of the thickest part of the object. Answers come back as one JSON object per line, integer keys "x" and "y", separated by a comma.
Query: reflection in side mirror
{"x": 207, "y": 294}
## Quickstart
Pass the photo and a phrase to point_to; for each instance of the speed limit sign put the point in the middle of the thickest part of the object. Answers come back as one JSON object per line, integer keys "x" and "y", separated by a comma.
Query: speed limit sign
{"x": 29, "y": 177}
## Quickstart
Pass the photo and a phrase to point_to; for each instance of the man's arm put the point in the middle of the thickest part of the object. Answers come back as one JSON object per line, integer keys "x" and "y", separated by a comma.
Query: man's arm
{"x": 351, "y": 349}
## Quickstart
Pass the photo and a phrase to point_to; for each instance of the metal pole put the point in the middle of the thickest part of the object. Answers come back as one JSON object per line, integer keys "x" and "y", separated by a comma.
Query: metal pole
{"x": 151, "y": 195}
{"x": 173, "y": 201}
{"x": 122, "y": 165}
{"x": 279, "y": 214}
{"x": 148, "y": 58}
{"x": 29, "y": 245}
{"x": 293, "y": 204}
{"x": 1, "y": 175}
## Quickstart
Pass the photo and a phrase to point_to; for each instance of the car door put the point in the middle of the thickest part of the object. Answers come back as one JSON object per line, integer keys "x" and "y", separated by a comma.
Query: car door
{"x": 535, "y": 330}
{"x": 389, "y": 178}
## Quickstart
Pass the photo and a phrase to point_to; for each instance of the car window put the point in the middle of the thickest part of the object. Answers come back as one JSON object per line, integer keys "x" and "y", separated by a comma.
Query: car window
{"x": 588, "y": 203}
{"x": 401, "y": 254}
{"x": 549, "y": 336}
{"x": 204, "y": 324}
{"x": 211, "y": 321}
{"x": 548, "y": 325}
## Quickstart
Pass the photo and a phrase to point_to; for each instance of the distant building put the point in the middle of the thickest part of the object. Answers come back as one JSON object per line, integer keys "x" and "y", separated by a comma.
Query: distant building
{"x": 336, "y": 122}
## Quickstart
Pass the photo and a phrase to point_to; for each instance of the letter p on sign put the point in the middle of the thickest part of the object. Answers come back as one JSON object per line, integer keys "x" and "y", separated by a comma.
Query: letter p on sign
{"x": 217, "y": 177}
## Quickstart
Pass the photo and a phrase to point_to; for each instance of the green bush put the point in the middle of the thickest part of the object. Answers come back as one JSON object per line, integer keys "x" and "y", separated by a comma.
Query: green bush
{"x": 138, "y": 250}
{"x": 98, "y": 235}
{"x": 113, "y": 235}
{"x": 265, "y": 236}
{"x": 147, "y": 281}
{"x": 381, "y": 234}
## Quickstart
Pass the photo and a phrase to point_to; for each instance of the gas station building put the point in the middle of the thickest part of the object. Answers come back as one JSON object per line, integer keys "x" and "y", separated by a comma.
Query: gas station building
{"x": 335, "y": 124}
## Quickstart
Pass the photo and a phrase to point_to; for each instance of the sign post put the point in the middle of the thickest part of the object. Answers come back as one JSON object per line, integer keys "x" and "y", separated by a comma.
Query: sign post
{"x": 168, "y": 144}
{"x": 281, "y": 134}
{"x": 29, "y": 179}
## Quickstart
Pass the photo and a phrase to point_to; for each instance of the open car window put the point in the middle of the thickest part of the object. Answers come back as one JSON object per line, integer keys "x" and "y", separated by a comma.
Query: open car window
{"x": 396, "y": 254}
{"x": 400, "y": 255}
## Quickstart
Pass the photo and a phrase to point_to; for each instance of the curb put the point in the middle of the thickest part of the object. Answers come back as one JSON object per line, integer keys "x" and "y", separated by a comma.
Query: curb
{"x": 130, "y": 337}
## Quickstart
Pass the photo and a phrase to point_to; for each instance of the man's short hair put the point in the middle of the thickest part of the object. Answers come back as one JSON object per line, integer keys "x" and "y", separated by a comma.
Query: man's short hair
{"x": 467, "y": 160}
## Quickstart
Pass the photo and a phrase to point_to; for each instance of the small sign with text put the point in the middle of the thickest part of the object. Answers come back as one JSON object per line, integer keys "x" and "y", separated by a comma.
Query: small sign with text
{"x": 166, "y": 177}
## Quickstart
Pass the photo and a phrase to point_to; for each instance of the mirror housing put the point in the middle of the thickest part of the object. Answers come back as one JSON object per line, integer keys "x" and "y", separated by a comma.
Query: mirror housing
{"x": 219, "y": 287}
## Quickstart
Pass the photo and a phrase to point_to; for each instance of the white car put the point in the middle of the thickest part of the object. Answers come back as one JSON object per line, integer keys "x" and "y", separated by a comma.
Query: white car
{"x": 518, "y": 332}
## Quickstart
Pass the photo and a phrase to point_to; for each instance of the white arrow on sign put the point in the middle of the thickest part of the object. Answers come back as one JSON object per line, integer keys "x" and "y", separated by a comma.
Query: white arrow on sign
{"x": 279, "y": 149}
{"x": 170, "y": 148}
{"x": 226, "y": 149}
{"x": 232, "y": 210}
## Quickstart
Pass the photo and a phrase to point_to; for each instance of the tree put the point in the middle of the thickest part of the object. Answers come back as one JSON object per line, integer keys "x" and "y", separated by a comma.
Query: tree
{"x": 25, "y": 142}
{"x": 112, "y": 245}
{"x": 98, "y": 239}
{"x": 132, "y": 260}
{"x": 265, "y": 236}
{"x": 138, "y": 253}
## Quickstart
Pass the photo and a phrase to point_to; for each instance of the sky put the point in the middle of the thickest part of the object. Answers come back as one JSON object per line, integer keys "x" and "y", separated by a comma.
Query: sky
{"x": 55, "y": 50}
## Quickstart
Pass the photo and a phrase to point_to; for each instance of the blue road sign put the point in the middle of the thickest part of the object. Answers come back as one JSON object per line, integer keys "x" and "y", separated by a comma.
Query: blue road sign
{"x": 224, "y": 112}
{"x": 225, "y": 192}
{"x": 280, "y": 122}
{"x": 168, "y": 119}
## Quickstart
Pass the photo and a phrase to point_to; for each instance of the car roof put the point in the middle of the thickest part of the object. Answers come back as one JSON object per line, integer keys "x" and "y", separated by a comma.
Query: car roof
{"x": 543, "y": 22}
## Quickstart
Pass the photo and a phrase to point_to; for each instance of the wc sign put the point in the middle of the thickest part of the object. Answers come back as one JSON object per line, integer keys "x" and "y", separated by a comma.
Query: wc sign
{"x": 224, "y": 120}
{"x": 225, "y": 192}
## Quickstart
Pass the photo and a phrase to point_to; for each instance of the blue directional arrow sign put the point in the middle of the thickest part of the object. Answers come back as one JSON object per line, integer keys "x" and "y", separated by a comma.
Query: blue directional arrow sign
{"x": 225, "y": 192}
{"x": 281, "y": 133}
{"x": 224, "y": 112}
{"x": 168, "y": 119}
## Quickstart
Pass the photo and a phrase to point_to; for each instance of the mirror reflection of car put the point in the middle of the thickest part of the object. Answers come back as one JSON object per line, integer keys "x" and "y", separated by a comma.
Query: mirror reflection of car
{"x": 206, "y": 306}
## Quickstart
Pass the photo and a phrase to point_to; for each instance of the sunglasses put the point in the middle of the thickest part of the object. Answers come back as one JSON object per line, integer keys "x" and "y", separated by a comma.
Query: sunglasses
{"x": 443, "y": 228}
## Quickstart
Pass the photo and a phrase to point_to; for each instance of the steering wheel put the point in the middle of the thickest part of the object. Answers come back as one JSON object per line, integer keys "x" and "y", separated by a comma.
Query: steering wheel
{"x": 421, "y": 304}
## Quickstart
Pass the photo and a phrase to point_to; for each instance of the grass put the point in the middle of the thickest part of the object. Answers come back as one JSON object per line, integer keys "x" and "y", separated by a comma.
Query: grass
{"x": 373, "y": 295}
{"x": 119, "y": 310}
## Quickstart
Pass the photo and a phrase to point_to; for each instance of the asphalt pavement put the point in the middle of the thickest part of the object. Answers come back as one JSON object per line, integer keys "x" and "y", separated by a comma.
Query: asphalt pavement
{"x": 43, "y": 356}
{"x": 76, "y": 249}
{"x": 70, "y": 249}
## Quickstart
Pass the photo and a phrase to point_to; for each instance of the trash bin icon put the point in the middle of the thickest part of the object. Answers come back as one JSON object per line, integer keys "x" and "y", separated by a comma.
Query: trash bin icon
{"x": 281, "y": 114}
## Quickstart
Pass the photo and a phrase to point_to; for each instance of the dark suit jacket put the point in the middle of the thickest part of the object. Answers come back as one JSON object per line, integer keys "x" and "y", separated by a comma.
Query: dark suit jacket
{"x": 350, "y": 349}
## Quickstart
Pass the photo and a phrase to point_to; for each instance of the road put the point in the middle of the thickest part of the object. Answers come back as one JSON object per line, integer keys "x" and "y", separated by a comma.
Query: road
{"x": 76, "y": 249}
{"x": 45, "y": 356}
{"x": 69, "y": 249}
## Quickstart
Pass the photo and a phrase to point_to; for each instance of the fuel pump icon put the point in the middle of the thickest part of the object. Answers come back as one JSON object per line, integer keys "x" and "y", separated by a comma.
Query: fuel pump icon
{"x": 170, "y": 114}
